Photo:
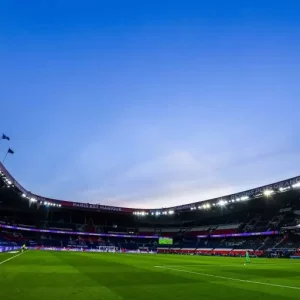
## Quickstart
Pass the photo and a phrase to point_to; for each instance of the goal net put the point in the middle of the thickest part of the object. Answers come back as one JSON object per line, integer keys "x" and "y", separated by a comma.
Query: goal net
{"x": 107, "y": 249}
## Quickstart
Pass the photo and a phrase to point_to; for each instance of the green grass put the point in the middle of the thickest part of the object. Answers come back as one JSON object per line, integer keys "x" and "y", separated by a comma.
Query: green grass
{"x": 64, "y": 275}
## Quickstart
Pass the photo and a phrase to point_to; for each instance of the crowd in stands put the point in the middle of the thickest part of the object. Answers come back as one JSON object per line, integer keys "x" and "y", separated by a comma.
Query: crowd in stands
{"x": 185, "y": 228}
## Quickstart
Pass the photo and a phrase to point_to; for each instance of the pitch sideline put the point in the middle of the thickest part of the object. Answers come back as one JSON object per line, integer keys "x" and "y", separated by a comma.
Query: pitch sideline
{"x": 230, "y": 278}
{"x": 4, "y": 261}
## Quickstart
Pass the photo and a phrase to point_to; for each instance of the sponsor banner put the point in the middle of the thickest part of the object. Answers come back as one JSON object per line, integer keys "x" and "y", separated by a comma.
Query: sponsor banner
{"x": 245, "y": 234}
{"x": 79, "y": 233}
{"x": 67, "y": 249}
{"x": 141, "y": 252}
{"x": 9, "y": 249}
{"x": 281, "y": 249}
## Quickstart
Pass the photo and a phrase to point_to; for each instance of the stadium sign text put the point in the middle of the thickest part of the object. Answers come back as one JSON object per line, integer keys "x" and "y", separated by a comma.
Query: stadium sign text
{"x": 96, "y": 206}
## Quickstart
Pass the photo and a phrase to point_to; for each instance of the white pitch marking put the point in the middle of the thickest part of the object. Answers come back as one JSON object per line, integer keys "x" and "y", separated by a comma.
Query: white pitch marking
{"x": 4, "y": 261}
{"x": 232, "y": 279}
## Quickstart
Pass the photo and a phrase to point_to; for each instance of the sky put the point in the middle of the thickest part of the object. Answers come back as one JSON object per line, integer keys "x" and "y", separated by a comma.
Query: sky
{"x": 149, "y": 104}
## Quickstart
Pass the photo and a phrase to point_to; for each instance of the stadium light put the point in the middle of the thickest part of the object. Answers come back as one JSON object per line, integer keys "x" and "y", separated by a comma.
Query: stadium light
{"x": 296, "y": 185}
{"x": 171, "y": 212}
{"x": 222, "y": 203}
{"x": 244, "y": 198}
{"x": 23, "y": 195}
{"x": 32, "y": 199}
{"x": 283, "y": 189}
{"x": 205, "y": 206}
{"x": 268, "y": 192}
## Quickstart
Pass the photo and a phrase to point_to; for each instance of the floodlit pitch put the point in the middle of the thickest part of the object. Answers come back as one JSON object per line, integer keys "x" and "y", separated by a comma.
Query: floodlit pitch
{"x": 64, "y": 275}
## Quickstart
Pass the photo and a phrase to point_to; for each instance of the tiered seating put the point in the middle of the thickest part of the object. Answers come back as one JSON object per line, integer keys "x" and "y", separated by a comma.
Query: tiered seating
{"x": 146, "y": 231}
{"x": 7, "y": 240}
{"x": 201, "y": 230}
{"x": 291, "y": 241}
{"x": 59, "y": 226}
{"x": 226, "y": 229}
{"x": 14, "y": 237}
{"x": 170, "y": 232}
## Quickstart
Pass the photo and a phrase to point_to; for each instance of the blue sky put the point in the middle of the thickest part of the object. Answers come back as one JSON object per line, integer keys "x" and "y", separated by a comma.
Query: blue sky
{"x": 149, "y": 103}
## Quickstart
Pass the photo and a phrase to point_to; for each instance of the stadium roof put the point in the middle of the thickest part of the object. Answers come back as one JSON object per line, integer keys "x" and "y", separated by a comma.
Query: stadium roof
{"x": 266, "y": 190}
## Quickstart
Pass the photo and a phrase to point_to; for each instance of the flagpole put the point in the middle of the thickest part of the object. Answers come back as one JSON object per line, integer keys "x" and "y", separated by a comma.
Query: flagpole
{"x": 5, "y": 157}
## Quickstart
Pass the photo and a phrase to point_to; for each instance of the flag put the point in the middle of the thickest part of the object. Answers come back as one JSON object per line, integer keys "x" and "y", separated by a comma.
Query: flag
{"x": 5, "y": 137}
{"x": 10, "y": 151}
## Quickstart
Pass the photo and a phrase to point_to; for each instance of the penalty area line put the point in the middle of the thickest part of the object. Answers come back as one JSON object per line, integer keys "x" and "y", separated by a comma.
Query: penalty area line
{"x": 230, "y": 278}
{"x": 4, "y": 261}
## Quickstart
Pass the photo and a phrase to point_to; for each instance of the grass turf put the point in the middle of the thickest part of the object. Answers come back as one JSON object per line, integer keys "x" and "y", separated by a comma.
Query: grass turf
{"x": 78, "y": 276}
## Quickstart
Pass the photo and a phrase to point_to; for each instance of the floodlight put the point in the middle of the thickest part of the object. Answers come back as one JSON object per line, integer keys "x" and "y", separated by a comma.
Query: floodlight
{"x": 296, "y": 185}
{"x": 222, "y": 203}
{"x": 268, "y": 192}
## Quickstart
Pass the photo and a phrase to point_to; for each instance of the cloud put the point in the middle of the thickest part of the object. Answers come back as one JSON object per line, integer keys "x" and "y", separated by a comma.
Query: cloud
{"x": 180, "y": 178}
{"x": 180, "y": 163}
{"x": 113, "y": 174}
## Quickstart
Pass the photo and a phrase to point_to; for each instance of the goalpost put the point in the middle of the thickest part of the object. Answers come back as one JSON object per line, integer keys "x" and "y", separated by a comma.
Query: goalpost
{"x": 110, "y": 249}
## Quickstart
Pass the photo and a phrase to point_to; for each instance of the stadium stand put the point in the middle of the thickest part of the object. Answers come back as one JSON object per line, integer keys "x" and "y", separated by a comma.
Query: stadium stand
{"x": 213, "y": 228}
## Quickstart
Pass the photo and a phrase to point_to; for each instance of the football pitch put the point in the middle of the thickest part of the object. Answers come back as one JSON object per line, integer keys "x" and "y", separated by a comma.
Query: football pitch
{"x": 79, "y": 276}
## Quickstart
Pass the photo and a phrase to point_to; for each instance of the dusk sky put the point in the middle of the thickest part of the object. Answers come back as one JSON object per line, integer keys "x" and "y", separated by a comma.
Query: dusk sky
{"x": 149, "y": 103}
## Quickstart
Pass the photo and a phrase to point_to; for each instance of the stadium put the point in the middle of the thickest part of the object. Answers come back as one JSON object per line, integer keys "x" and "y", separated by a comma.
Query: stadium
{"x": 82, "y": 250}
